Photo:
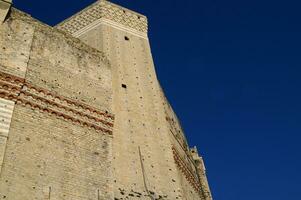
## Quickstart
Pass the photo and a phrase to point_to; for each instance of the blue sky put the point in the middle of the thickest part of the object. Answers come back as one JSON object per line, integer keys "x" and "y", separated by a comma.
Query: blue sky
{"x": 231, "y": 70}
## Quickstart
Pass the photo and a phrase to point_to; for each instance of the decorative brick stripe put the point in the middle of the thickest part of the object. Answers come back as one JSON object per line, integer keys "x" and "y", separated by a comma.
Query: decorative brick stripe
{"x": 181, "y": 141}
{"x": 16, "y": 89}
{"x": 189, "y": 175}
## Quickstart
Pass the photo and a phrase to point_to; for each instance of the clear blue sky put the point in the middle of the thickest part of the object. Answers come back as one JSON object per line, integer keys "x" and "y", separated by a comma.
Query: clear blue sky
{"x": 231, "y": 70}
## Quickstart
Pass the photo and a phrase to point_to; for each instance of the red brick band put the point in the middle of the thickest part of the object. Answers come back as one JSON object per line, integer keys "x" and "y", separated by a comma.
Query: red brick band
{"x": 189, "y": 175}
{"x": 16, "y": 89}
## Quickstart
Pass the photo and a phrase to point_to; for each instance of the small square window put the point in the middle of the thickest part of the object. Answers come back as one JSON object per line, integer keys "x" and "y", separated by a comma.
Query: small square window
{"x": 123, "y": 85}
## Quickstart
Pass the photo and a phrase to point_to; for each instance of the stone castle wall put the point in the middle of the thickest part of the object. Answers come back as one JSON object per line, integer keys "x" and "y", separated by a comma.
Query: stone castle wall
{"x": 138, "y": 118}
{"x": 59, "y": 143}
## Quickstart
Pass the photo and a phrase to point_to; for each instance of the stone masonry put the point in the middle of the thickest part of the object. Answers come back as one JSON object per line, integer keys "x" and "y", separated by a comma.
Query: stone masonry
{"x": 83, "y": 116}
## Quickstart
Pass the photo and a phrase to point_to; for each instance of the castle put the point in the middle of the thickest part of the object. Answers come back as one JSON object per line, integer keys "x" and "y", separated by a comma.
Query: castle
{"x": 82, "y": 114}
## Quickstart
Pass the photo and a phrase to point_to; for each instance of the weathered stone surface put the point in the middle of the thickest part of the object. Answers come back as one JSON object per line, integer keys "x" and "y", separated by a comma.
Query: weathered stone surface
{"x": 15, "y": 43}
{"x": 45, "y": 155}
{"x": 59, "y": 143}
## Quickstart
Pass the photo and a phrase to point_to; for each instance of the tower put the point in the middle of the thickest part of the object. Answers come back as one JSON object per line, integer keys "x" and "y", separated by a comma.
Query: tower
{"x": 145, "y": 129}
{"x": 124, "y": 140}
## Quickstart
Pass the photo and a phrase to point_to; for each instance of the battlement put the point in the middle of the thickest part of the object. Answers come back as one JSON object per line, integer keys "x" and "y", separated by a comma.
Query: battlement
{"x": 103, "y": 11}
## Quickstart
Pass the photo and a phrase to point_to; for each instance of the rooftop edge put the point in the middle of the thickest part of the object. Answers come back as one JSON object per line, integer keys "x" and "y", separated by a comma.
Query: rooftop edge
{"x": 104, "y": 10}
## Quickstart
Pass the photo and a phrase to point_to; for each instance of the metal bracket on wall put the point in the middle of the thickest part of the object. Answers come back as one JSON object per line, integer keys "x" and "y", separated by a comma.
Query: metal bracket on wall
{"x": 5, "y": 6}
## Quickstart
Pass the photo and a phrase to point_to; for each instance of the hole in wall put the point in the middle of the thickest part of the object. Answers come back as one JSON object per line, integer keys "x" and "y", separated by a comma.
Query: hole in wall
{"x": 126, "y": 38}
{"x": 123, "y": 85}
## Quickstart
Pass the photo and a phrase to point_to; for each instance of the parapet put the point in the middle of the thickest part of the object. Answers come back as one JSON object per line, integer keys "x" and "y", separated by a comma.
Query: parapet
{"x": 103, "y": 11}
